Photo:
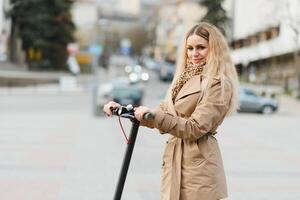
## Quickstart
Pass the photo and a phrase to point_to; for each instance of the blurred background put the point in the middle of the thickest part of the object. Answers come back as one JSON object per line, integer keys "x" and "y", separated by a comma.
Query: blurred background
{"x": 61, "y": 60}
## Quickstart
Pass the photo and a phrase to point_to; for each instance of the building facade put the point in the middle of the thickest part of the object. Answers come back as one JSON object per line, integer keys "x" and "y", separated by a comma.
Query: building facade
{"x": 266, "y": 41}
{"x": 175, "y": 18}
{"x": 105, "y": 22}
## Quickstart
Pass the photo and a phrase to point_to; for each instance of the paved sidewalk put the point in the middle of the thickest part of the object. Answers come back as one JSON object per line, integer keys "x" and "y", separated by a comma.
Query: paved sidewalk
{"x": 13, "y": 75}
{"x": 52, "y": 148}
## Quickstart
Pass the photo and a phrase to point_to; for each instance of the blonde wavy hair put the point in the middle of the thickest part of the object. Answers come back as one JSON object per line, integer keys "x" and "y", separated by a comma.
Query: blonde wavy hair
{"x": 218, "y": 61}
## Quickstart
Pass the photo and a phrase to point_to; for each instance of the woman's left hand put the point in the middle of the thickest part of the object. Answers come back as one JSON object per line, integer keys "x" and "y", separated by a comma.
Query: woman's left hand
{"x": 140, "y": 111}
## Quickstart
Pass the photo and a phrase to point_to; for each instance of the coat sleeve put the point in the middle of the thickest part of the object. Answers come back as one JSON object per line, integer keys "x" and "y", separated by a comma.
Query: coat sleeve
{"x": 207, "y": 116}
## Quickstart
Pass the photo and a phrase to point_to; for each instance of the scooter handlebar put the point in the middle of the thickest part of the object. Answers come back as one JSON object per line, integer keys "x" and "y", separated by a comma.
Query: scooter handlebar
{"x": 128, "y": 112}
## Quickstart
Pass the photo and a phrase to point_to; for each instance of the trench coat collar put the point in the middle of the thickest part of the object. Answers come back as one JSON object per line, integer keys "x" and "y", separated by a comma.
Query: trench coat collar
{"x": 190, "y": 87}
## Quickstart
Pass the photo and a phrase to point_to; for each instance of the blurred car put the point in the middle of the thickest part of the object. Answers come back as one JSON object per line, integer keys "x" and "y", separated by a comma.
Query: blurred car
{"x": 167, "y": 71}
{"x": 125, "y": 95}
{"x": 151, "y": 64}
{"x": 120, "y": 60}
{"x": 249, "y": 101}
{"x": 121, "y": 91}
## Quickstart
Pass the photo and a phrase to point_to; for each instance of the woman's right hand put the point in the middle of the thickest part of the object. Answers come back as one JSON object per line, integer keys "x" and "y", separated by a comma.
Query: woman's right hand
{"x": 107, "y": 108}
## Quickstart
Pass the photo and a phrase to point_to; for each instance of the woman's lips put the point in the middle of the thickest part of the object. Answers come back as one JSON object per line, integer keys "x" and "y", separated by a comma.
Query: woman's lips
{"x": 196, "y": 60}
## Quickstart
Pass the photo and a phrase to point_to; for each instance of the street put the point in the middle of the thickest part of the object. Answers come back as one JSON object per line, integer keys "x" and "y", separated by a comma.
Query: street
{"x": 53, "y": 148}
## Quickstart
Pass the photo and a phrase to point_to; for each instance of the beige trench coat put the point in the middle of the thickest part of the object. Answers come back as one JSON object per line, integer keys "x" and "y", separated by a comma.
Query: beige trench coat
{"x": 192, "y": 163}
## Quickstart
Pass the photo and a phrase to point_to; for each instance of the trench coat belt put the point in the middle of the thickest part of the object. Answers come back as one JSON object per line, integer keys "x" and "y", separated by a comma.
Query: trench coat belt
{"x": 176, "y": 170}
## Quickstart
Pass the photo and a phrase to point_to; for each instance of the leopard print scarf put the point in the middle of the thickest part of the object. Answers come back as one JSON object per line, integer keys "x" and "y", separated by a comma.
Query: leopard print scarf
{"x": 190, "y": 71}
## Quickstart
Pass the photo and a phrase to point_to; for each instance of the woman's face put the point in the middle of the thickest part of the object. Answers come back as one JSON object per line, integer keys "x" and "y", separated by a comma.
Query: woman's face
{"x": 197, "y": 49}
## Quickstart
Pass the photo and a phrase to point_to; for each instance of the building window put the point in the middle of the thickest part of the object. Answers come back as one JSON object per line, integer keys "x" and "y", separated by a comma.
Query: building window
{"x": 268, "y": 34}
{"x": 262, "y": 36}
{"x": 274, "y": 32}
{"x": 253, "y": 39}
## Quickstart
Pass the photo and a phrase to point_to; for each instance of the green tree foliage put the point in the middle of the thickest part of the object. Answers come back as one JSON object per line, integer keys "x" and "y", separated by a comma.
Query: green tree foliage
{"x": 45, "y": 28}
{"x": 216, "y": 14}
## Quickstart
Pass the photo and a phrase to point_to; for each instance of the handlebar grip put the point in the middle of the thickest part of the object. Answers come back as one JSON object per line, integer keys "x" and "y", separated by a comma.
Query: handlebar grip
{"x": 118, "y": 110}
{"x": 148, "y": 116}
{"x": 114, "y": 111}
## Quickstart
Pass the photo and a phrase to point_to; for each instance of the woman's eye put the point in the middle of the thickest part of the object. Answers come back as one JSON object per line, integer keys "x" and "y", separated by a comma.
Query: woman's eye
{"x": 190, "y": 48}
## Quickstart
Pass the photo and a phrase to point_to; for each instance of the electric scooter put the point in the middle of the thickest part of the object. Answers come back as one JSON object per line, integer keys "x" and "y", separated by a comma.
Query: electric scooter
{"x": 127, "y": 112}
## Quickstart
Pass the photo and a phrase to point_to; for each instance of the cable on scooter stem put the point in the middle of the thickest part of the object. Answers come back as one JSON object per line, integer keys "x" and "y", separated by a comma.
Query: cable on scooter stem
{"x": 128, "y": 112}
{"x": 123, "y": 131}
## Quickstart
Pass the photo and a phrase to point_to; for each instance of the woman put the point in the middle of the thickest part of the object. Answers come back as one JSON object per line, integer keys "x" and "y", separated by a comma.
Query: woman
{"x": 203, "y": 92}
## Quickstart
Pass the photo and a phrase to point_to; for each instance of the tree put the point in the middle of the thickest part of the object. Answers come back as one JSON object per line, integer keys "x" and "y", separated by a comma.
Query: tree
{"x": 45, "y": 28}
{"x": 216, "y": 14}
{"x": 139, "y": 38}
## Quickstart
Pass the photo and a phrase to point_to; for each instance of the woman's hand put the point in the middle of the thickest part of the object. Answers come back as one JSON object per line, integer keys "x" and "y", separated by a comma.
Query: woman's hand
{"x": 110, "y": 106}
{"x": 140, "y": 111}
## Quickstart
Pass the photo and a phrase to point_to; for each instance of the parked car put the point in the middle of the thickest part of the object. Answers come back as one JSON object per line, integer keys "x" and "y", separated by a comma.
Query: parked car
{"x": 150, "y": 63}
{"x": 125, "y": 95}
{"x": 121, "y": 91}
{"x": 249, "y": 101}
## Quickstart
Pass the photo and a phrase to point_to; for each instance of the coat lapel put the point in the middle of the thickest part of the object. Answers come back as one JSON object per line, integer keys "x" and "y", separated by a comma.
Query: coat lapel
{"x": 171, "y": 107}
{"x": 190, "y": 87}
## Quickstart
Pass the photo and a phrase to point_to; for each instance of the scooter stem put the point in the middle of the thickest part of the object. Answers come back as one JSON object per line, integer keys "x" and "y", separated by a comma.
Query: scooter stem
{"x": 127, "y": 158}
